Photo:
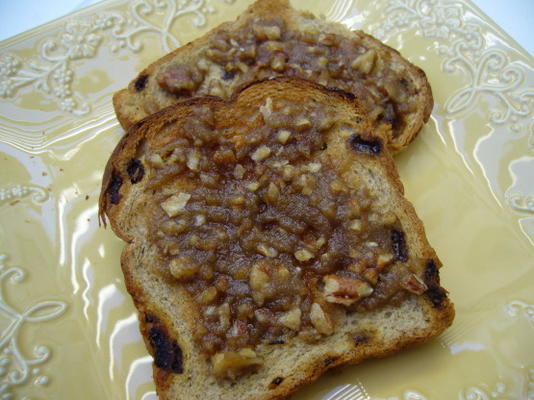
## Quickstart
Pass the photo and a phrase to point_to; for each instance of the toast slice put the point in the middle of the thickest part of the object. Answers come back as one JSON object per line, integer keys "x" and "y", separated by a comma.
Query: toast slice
{"x": 271, "y": 39}
{"x": 268, "y": 240}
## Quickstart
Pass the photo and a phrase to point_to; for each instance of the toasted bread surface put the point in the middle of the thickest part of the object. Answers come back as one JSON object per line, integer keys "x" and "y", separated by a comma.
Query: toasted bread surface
{"x": 396, "y": 93}
{"x": 168, "y": 312}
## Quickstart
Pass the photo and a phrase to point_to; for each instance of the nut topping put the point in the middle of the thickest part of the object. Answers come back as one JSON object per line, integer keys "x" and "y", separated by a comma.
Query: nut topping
{"x": 183, "y": 268}
{"x": 231, "y": 364}
{"x": 261, "y": 153}
{"x": 365, "y": 62}
{"x": 344, "y": 290}
{"x": 291, "y": 319}
{"x": 239, "y": 171}
{"x": 320, "y": 320}
{"x": 207, "y": 296}
{"x": 355, "y": 225}
{"x": 252, "y": 186}
{"x": 302, "y": 123}
{"x": 270, "y": 241}
{"x": 283, "y": 136}
{"x": 267, "y": 251}
{"x": 414, "y": 284}
{"x": 258, "y": 277}
{"x": 263, "y": 32}
{"x": 175, "y": 204}
{"x": 303, "y": 255}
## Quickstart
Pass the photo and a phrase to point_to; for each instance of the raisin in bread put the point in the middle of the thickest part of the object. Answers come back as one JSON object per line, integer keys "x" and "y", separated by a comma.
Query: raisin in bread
{"x": 270, "y": 39}
{"x": 268, "y": 240}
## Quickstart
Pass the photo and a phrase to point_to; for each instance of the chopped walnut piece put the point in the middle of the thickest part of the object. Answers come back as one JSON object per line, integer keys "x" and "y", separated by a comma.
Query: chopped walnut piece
{"x": 302, "y": 123}
{"x": 307, "y": 183}
{"x": 320, "y": 320}
{"x": 231, "y": 364}
{"x": 224, "y": 315}
{"x": 261, "y": 153}
{"x": 175, "y": 204}
{"x": 279, "y": 163}
{"x": 242, "y": 67}
{"x": 315, "y": 50}
{"x": 237, "y": 200}
{"x": 281, "y": 273}
{"x": 203, "y": 65}
{"x": 283, "y": 136}
{"x": 355, "y": 225}
{"x": 384, "y": 259}
{"x": 337, "y": 186}
{"x": 272, "y": 193}
{"x": 267, "y": 109}
{"x": 208, "y": 295}
{"x": 200, "y": 220}
{"x": 252, "y": 186}
{"x": 371, "y": 275}
{"x": 365, "y": 62}
{"x": 245, "y": 310}
{"x": 263, "y": 315}
{"x": 414, "y": 284}
{"x": 326, "y": 123}
{"x": 320, "y": 242}
{"x": 183, "y": 268}
{"x": 322, "y": 62}
{"x": 247, "y": 52}
{"x": 288, "y": 172}
{"x": 303, "y": 255}
{"x": 314, "y": 167}
{"x": 345, "y": 290}
{"x": 278, "y": 63}
{"x": 284, "y": 237}
{"x": 239, "y": 171}
{"x": 291, "y": 319}
{"x": 273, "y": 46}
{"x": 258, "y": 277}
{"x": 156, "y": 160}
{"x": 266, "y": 250}
{"x": 263, "y": 32}
{"x": 328, "y": 39}
{"x": 216, "y": 89}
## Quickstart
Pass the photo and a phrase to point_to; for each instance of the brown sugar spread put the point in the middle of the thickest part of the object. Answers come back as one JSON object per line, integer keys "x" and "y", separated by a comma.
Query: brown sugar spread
{"x": 266, "y": 48}
{"x": 264, "y": 233}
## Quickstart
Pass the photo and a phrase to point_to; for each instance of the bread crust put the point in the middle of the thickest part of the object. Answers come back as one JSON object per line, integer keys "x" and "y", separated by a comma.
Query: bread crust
{"x": 131, "y": 105}
{"x": 163, "y": 306}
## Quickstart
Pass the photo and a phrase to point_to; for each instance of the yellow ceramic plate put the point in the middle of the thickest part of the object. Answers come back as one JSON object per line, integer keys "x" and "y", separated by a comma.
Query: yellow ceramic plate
{"x": 68, "y": 329}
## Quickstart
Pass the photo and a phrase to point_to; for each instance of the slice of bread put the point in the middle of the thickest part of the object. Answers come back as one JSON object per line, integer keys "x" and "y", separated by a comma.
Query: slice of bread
{"x": 280, "y": 194}
{"x": 271, "y": 39}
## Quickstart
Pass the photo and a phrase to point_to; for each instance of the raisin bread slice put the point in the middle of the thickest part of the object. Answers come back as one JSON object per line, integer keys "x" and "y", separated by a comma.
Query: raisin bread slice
{"x": 270, "y": 39}
{"x": 268, "y": 240}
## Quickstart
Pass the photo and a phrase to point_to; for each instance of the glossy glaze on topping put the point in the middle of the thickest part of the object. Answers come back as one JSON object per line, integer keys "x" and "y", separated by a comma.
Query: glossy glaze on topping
{"x": 266, "y": 236}
{"x": 266, "y": 48}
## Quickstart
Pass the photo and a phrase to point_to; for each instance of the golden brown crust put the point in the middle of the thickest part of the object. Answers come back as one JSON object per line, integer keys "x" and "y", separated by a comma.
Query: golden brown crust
{"x": 153, "y": 296}
{"x": 131, "y": 105}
